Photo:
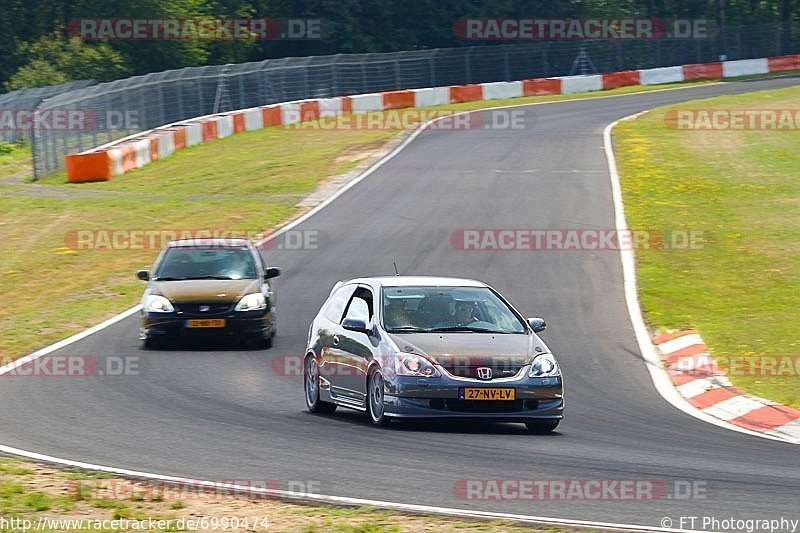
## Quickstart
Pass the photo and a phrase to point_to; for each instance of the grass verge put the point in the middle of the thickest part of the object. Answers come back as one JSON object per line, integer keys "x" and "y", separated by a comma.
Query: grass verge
{"x": 29, "y": 491}
{"x": 740, "y": 189}
{"x": 251, "y": 181}
{"x": 14, "y": 157}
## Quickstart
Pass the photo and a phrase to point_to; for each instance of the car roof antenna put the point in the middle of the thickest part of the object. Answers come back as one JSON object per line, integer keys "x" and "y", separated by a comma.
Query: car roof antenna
{"x": 396, "y": 273}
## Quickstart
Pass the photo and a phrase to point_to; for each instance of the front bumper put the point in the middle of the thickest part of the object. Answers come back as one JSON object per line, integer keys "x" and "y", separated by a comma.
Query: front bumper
{"x": 237, "y": 324}
{"x": 535, "y": 398}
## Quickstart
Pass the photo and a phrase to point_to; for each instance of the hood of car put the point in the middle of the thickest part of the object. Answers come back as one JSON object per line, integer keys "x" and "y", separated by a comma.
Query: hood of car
{"x": 205, "y": 290}
{"x": 471, "y": 349}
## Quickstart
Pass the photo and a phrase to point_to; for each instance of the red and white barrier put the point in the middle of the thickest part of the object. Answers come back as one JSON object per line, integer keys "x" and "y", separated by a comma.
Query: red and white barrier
{"x": 253, "y": 119}
{"x": 656, "y": 76}
{"x": 134, "y": 152}
{"x": 581, "y": 84}
{"x": 365, "y": 103}
{"x": 502, "y": 89}
{"x": 431, "y": 96}
{"x": 744, "y": 67}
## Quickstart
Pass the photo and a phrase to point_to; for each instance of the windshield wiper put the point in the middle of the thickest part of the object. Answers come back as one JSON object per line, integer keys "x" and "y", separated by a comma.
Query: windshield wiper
{"x": 169, "y": 278}
{"x": 464, "y": 329}
{"x": 408, "y": 329}
{"x": 209, "y": 277}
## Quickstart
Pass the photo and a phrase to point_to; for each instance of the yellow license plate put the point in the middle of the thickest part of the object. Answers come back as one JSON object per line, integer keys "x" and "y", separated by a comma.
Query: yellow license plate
{"x": 206, "y": 323}
{"x": 475, "y": 393}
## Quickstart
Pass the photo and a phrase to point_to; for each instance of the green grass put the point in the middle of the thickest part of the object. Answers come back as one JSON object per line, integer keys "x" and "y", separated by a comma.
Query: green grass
{"x": 251, "y": 182}
{"x": 14, "y": 157}
{"x": 739, "y": 188}
{"x": 13, "y": 467}
{"x": 22, "y": 500}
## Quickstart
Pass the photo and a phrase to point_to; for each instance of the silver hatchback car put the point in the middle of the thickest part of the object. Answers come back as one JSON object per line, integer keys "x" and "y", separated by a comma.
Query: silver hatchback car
{"x": 430, "y": 347}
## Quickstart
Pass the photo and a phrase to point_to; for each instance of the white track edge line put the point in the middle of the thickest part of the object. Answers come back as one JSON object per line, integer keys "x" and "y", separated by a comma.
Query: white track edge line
{"x": 343, "y": 500}
{"x": 661, "y": 379}
{"x": 668, "y": 394}
{"x": 69, "y": 340}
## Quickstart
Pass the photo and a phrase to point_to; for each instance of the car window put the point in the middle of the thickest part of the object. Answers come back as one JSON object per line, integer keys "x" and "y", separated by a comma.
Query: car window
{"x": 215, "y": 262}
{"x": 421, "y": 309}
{"x": 358, "y": 309}
{"x": 360, "y": 306}
{"x": 334, "y": 307}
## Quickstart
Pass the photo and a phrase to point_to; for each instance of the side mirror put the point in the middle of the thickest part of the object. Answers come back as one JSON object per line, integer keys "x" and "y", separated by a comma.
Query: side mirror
{"x": 272, "y": 272}
{"x": 355, "y": 324}
{"x": 143, "y": 275}
{"x": 537, "y": 324}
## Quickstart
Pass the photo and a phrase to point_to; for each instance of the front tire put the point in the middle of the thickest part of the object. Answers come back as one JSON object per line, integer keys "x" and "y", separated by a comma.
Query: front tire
{"x": 541, "y": 427}
{"x": 376, "y": 408}
{"x": 151, "y": 343}
{"x": 311, "y": 388}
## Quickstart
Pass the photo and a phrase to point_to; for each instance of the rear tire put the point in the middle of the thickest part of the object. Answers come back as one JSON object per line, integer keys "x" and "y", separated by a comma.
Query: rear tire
{"x": 376, "y": 409}
{"x": 311, "y": 388}
{"x": 541, "y": 427}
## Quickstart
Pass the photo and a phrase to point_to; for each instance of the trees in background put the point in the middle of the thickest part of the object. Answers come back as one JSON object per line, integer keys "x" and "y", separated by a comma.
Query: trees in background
{"x": 37, "y": 50}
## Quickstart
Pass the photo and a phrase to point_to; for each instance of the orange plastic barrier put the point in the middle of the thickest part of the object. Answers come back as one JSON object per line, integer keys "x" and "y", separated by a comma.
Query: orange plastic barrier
{"x": 179, "y": 138}
{"x": 209, "y": 130}
{"x": 541, "y": 86}
{"x": 347, "y": 104}
{"x": 238, "y": 123}
{"x": 154, "y": 155}
{"x": 398, "y": 99}
{"x": 702, "y": 71}
{"x": 777, "y": 64}
{"x": 466, "y": 93}
{"x": 271, "y": 115}
{"x": 624, "y": 78}
{"x": 309, "y": 111}
{"x": 93, "y": 166}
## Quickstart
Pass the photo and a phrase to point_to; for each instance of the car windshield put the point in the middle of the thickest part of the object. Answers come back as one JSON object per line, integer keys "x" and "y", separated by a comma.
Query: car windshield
{"x": 180, "y": 264}
{"x": 447, "y": 309}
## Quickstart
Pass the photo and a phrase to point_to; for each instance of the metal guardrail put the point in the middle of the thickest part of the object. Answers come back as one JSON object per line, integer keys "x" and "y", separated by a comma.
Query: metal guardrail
{"x": 124, "y": 107}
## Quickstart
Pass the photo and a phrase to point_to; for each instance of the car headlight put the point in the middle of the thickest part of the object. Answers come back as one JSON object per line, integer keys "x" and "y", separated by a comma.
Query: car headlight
{"x": 153, "y": 303}
{"x": 252, "y": 302}
{"x": 409, "y": 364}
{"x": 544, "y": 366}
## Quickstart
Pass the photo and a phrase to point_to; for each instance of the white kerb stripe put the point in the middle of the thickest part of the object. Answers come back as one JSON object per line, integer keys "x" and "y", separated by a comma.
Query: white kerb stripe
{"x": 697, "y": 387}
{"x": 735, "y": 407}
{"x": 790, "y": 430}
{"x": 680, "y": 343}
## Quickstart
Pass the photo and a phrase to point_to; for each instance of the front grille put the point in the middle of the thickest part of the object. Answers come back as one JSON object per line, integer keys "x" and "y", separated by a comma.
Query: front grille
{"x": 194, "y": 308}
{"x": 500, "y": 369}
{"x": 483, "y": 406}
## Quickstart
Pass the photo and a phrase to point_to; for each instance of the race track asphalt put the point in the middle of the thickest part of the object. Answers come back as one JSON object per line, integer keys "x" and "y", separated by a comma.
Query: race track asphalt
{"x": 225, "y": 413}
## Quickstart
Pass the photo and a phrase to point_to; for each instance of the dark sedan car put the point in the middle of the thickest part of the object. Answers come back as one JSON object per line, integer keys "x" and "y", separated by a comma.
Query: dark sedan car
{"x": 208, "y": 287}
{"x": 427, "y": 347}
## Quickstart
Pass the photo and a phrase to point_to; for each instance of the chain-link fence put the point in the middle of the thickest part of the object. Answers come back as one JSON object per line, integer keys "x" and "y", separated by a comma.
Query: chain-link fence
{"x": 27, "y": 100}
{"x": 123, "y": 107}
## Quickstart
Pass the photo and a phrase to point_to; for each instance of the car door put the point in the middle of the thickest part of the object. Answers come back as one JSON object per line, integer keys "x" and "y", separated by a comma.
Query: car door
{"x": 329, "y": 333}
{"x": 355, "y": 348}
